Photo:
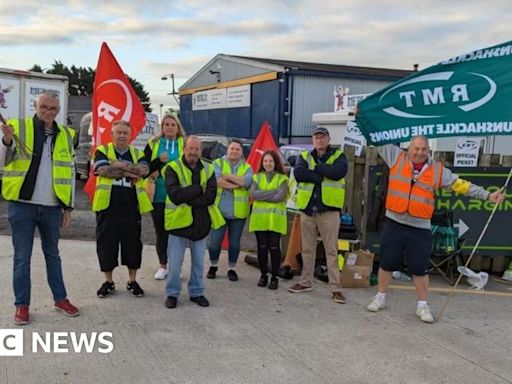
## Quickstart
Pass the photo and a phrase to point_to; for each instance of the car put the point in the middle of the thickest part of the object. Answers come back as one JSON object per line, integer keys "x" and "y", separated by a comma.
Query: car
{"x": 215, "y": 146}
{"x": 291, "y": 151}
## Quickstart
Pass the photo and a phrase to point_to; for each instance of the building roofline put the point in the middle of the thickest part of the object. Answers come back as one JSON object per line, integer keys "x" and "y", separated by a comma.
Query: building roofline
{"x": 338, "y": 68}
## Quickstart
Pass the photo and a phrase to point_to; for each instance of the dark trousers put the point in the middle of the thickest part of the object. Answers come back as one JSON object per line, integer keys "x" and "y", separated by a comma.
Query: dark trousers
{"x": 115, "y": 230}
{"x": 269, "y": 241}
{"x": 162, "y": 237}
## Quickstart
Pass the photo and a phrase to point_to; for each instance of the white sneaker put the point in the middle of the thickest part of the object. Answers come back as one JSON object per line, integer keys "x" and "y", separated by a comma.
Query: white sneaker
{"x": 424, "y": 314}
{"x": 376, "y": 304}
{"x": 161, "y": 274}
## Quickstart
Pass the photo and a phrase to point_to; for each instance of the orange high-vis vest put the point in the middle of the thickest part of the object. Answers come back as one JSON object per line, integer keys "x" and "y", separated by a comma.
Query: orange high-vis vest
{"x": 416, "y": 198}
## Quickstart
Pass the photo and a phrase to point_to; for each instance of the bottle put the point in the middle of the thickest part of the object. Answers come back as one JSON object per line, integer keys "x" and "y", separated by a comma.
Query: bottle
{"x": 397, "y": 275}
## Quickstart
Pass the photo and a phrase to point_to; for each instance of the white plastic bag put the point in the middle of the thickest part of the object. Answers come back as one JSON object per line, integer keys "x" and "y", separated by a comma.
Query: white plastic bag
{"x": 477, "y": 281}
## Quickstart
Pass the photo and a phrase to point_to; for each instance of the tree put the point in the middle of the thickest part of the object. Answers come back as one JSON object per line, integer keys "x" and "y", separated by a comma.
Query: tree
{"x": 81, "y": 81}
{"x": 173, "y": 111}
{"x": 36, "y": 68}
{"x": 140, "y": 91}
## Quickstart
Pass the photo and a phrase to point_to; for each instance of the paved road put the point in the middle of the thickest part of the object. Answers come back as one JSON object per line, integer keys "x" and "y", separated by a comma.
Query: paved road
{"x": 251, "y": 334}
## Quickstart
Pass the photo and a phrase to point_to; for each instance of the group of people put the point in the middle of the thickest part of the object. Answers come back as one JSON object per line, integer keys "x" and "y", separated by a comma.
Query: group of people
{"x": 190, "y": 199}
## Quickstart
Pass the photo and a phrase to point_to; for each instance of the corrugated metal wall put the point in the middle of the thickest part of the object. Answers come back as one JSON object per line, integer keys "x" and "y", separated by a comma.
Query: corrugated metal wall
{"x": 265, "y": 106}
{"x": 236, "y": 122}
{"x": 312, "y": 94}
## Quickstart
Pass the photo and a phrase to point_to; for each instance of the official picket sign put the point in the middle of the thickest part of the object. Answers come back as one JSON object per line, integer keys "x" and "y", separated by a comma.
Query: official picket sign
{"x": 354, "y": 137}
{"x": 466, "y": 152}
{"x": 468, "y": 95}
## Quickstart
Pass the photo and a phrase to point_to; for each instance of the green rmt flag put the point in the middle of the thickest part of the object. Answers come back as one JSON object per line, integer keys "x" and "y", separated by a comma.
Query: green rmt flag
{"x": 467, "y": 95}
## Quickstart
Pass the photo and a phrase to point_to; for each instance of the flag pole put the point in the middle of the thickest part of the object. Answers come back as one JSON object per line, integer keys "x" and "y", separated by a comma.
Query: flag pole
{"x": 473, "y": 251}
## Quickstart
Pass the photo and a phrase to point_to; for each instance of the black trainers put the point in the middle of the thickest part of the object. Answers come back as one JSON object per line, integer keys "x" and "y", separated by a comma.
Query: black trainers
{"x": 106, "y": 289}
{"x": 135, "y": 288}
{"x": 274, "y": 283}
{"x": 212, "y": 272}
{"x": 201, "y": 301}
{"x": 263, "y": 281}
{"x": 232, "y": 276}
{"x": 171, "y": 302}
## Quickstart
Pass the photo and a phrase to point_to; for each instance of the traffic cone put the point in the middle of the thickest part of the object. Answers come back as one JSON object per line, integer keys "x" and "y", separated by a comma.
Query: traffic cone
{"x": 225, "y": 241}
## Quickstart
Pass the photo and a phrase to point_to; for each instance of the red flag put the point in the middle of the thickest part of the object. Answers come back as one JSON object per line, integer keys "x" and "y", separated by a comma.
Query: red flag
{"x": 264, "y": 141}
{"x": 113, "y": 99}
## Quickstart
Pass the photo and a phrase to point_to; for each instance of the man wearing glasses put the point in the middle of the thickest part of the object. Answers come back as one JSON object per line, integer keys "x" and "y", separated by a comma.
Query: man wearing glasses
{"x": 39, "y": 185}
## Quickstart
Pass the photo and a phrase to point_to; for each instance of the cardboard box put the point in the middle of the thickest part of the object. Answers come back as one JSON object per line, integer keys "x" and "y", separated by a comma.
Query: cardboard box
{"x": 357, "y": 269}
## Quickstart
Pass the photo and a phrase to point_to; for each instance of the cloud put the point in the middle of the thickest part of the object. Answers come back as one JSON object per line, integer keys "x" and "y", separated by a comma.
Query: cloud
{"x": 157, "y": 36}
{"x": 182, "y": 68}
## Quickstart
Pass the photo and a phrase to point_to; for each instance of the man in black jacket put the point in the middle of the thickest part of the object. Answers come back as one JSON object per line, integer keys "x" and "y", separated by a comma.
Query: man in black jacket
{"x": 199, "y": 198}
{"x": 320, "y": 197}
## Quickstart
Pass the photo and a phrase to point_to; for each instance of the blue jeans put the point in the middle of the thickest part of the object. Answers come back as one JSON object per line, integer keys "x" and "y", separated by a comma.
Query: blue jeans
{"x": 176, "y": 254}
{"x": 235, "y": 228}
{"x": 24, "y": 218}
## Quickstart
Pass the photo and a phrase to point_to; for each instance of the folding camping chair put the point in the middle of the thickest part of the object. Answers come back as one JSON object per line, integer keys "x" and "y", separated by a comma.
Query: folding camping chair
{"x": 446, "y": 252}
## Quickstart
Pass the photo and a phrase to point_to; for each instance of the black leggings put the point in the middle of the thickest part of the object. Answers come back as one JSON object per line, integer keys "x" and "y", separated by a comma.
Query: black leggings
{"x": 161, "y": 235}
{"x": 269, "y": 241}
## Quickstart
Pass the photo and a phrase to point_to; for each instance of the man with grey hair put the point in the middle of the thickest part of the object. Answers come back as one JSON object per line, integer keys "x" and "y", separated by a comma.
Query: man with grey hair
{"x": 119, "y": 200}
{"x": 413, "y": 180}
{"x": 39, "y": 184}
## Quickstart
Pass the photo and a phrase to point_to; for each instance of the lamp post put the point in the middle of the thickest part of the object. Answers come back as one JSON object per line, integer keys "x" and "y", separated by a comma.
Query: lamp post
{"x": 173, "y": 93}
{"x": 161, "y": 106}
{"x": 217, "y": 74}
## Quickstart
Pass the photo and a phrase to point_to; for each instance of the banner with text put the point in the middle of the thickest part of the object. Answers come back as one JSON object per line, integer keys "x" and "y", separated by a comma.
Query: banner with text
{"x": 233, "y": 97}
{"x": 467, "y": 95}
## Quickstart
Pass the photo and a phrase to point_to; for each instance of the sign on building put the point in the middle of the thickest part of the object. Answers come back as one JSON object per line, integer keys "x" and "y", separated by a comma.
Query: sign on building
{"x": 233, "y": 97}
{"x": 239, "y": 96}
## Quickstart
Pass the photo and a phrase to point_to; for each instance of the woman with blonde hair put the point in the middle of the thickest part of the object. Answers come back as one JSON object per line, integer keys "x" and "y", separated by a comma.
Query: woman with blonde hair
{"x": 164, "y": 147}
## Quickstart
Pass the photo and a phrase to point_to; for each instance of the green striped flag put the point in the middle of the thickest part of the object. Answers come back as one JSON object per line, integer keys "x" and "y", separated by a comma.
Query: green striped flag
{"x": 466, "y": 95}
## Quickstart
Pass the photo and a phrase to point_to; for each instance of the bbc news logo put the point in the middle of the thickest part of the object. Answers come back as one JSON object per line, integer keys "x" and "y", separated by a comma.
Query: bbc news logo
{"x": 12, "y": 342}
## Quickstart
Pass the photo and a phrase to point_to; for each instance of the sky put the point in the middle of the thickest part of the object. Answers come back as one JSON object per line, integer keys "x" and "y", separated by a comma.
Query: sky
{"x": 151, "y": 38}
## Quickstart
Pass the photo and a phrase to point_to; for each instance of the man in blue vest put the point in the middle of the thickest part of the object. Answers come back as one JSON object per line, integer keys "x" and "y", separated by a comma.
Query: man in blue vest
{"x": 39, "y": 185}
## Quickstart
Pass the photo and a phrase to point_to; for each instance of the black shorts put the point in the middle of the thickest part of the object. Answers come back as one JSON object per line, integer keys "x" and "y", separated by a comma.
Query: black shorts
{"x": 398, "y": 240}
{"x": 112, "y": 230}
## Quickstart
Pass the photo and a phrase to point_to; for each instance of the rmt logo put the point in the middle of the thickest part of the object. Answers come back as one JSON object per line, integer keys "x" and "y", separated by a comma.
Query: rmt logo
{"x": 467, "y": 145}
{"x": 414, "y": 96}
{"x": 353, "y": 129}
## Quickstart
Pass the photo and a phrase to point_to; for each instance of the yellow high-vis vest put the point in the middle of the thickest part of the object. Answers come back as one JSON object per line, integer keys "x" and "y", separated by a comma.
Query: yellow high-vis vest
{"x": 180, "y": 216}
{"x": 333, "y": 191}
{"x": 266, "y": 216}
{"x": 241, "y": 195}
{"x": 62, "y": 162}
{"x": 103, "y": 190}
